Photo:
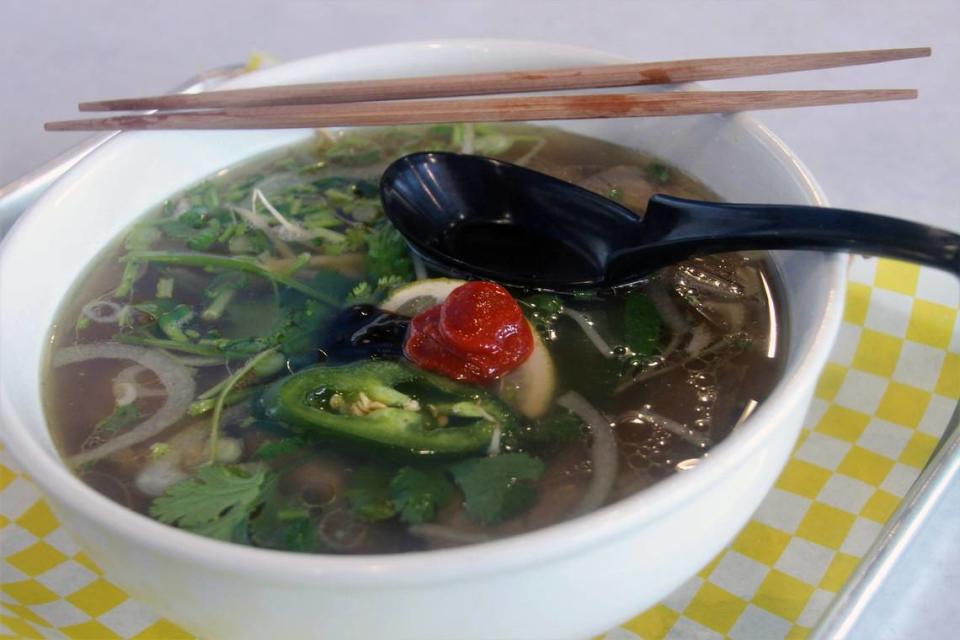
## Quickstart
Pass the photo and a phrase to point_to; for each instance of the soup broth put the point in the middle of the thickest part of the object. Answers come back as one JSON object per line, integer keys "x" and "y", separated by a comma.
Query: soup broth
{"x": 239, "y": 363}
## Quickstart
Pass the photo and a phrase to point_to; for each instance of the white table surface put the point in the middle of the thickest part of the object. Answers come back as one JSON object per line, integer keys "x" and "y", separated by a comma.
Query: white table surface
{"x": 903, "y": 160}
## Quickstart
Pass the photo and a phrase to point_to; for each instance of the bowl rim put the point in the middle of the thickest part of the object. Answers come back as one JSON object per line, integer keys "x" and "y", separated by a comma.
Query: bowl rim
{"x": 459, "y": 563}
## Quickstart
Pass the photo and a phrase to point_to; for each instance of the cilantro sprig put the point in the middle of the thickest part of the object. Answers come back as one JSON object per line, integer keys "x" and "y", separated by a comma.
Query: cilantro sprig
{"x": 216, "y": 503}
{"x": 494, "y": 488}
{"x": 418, "y": 494}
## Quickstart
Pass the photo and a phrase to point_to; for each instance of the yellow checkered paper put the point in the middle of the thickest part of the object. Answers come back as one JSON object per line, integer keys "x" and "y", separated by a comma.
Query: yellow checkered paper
{"x": 881, "y": 404}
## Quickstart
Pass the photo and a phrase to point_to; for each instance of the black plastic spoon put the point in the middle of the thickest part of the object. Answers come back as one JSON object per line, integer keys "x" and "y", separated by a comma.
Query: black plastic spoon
{"x": 477, "y": 216}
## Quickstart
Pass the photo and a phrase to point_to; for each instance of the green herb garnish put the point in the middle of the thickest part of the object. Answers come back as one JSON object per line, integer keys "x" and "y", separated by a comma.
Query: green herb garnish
{"x": 278, "y": 448}
{"x": 369, "y": 494}
{"x": 216, "y": 503}
{"x": 418, "y": 494}
{"x": 494, "y": 488}
{"x": 642, "y": 326}
{"x": 387, "y": 253}
{"x": 659, "y": 173}
{"x": 121, "y": 418}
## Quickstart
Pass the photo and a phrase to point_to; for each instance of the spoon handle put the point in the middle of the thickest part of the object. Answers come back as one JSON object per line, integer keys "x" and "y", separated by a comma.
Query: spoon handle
{"x": 692, "y": 227}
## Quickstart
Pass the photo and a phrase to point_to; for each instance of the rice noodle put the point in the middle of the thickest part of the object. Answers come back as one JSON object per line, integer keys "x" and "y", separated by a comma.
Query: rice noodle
{"x": 603, "y": 453}
{"x": 587, "y": 326}
{"x": 176, "y": 378}
{"x": 447, "y": 534}
{"x": 91, "y": 311}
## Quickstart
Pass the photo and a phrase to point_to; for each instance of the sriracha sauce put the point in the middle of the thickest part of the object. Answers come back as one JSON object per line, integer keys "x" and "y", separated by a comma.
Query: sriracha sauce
{"x": 477, "y": 334}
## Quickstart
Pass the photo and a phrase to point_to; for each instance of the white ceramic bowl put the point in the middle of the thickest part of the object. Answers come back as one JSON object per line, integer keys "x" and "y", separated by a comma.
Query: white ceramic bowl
{"x": 567, "y": 581}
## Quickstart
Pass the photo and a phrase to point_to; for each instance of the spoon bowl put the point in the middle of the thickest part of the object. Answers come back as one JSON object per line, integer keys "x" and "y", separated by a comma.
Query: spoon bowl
{"x": 471, "y": 215}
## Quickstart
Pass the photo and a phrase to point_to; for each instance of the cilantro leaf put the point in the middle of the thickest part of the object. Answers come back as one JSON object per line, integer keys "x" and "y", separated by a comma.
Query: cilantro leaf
{"x": 124, "y": 416}
{"x": 659, "y": 173}
{"x": 277, "y": 448}
{"x": 642, "y": 325}
{"x": 217, "y": 503}
{"x": 493, "y": 488}
{"x": 551, "y": 432}
{"x": 354, "y": 152}
{"x": 364, "y": 293}
{"x": 284, "y": 523}
{"x": 387, "y": 253}
{"x": 417, "y": 494}
{"x": 369, "y": 494}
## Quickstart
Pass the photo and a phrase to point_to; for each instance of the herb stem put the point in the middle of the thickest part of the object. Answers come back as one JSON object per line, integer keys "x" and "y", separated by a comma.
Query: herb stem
{"x": 127, "y": 279}
{"x": 221, "y": 399}
{"x": 216, "y": 308}
{"x": 203, "y": 405}
{"x": 173, "y": 345}
{"x": 245, "y": 265}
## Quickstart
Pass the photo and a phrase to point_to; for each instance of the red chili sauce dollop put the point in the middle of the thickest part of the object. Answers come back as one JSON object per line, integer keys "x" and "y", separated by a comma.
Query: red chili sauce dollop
{"x": 477, "y": 334}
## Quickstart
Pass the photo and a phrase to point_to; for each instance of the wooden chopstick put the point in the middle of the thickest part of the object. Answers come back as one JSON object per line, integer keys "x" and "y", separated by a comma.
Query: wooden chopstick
{"x": 602, "y": 76}
{"x": 613, "y": 105}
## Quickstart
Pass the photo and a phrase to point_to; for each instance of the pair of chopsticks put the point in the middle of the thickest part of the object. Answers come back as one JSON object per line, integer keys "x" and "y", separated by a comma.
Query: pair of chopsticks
{"x": 415, "y": 100}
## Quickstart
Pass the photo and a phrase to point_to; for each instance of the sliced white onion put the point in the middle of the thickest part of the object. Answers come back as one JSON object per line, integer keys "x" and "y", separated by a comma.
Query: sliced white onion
{"x": 668, "y": 424}
{"x": 129, "y": 374}
{"x": 603, "y": 453}
{"x": 699, "y": 340}
{"x": 176, "y": 378}
{"x": 199, "y": 361}
{"x": 102, "y": 311}
{"x": 587, "y": 325}
{"x": 126, "y": 389}
{"x": 447, "y": 534}
{"x": 124, "y": 393}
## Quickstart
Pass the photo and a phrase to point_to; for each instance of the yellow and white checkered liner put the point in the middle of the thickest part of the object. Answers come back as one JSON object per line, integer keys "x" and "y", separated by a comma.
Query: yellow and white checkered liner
{"x": 881, "y": 405}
